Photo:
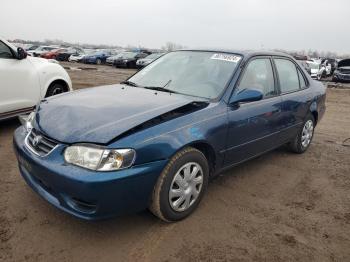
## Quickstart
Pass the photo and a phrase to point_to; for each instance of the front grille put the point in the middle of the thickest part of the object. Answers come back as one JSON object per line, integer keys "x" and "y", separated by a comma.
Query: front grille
{"x": 344, "y": 71}
{"x": 39, "y": 144}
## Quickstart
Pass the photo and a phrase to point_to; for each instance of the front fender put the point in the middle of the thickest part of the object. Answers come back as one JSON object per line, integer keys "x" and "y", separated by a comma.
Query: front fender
{"x": 49, "y": 72}
{"x": 207, "y": 126}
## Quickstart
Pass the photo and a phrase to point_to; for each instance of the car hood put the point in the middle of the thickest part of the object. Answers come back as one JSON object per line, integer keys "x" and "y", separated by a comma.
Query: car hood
{"x": 98, "y": 115}
{"x": 38, "y": 61}
{"x": 344, "y": 63}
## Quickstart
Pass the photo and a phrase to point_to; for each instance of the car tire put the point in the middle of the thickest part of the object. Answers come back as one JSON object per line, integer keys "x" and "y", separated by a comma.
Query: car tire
{"x": 55, "y": 89}
{"x": 192, "y": 185}
{"x": 303, "y": 139}
{"x": 98, "y": 61}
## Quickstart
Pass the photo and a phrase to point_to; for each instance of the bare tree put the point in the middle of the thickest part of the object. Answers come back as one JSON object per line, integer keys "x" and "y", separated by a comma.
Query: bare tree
{"x": 170, "y": 46}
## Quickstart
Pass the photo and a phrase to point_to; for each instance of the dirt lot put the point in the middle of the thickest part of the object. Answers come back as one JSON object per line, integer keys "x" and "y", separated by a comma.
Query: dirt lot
{"x": 278, "y": 207}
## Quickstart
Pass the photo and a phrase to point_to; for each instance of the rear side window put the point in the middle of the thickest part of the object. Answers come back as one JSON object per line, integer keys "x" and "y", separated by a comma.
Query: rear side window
{"x": 259, "y": 75}
{"x": 288, "y": 75}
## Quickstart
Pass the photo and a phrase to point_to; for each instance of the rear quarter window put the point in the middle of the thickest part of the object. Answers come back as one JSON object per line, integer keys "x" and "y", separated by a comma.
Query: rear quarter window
{"x": 302, "y": 81}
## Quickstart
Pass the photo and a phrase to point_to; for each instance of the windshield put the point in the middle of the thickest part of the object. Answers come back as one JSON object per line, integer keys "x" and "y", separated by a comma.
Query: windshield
{"x": 97, "y": 53}
{"x": 127, "y": 55}
{"x": 34, "y": 47}
{"x": 48, "y": 48}
{"x": 195, "y": 73}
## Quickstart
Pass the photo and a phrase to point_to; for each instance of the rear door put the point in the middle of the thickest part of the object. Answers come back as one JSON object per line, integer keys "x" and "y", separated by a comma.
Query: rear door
{"x": 296, "y": 98}
{"x": 19, "y": 83}
{"x": 254, "y": 126}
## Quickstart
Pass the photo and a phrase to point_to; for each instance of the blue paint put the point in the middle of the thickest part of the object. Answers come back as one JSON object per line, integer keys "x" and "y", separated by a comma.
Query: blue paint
{"x": 106, "y": 115}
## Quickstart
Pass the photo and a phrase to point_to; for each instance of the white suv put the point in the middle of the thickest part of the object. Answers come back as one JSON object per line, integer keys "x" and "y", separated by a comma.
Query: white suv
{"x": 24, "y": 81}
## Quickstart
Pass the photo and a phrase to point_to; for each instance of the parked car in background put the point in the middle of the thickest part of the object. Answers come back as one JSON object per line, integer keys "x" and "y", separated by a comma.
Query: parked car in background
{"x": 314, "y": 70}
{"x": 155, "y": 140}
{"x": 79, "y": 57}
{"x": 342, "y": 73}
{"x": 325, "y": 69}
{"x": 301, "y": 57}
{"x": 76, "y": 57}
{"x": 41, "y": 50}
{"x": 128, "y": 59}
{"x": 24, "y": 81}
{"x": 98, "y": 57}
{"x": 331, "y": 65}
{"x": 110, "y": 60}
{"x": 31, "y": 47}
{"x": 305, "y": 65}
{"x": 64, "y": 56}
{"x": 53, "y": 53}
{"x": 148, "y": 59}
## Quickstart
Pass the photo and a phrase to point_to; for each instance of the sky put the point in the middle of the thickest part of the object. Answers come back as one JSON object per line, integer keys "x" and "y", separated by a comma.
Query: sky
{"x": 321, "y": 25}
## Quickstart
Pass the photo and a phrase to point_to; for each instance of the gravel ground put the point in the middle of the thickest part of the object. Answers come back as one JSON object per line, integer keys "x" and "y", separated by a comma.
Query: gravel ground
{"x": 278, "y": 207}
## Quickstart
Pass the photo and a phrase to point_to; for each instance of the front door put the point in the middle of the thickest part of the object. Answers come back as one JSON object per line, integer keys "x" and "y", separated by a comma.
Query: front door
{"x": 19, "y": 83}
{"x": 254, "y": 126}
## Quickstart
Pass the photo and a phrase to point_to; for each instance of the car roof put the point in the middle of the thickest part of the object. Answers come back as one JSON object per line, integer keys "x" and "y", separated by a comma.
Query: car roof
{"x": 244, "y": 53}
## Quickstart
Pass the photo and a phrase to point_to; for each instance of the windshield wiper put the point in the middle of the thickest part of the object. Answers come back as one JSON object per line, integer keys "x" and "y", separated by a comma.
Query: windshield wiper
{"x": 162, "y": 88}
{"x": 159, "y": 88}
{"x": 129, "y": 83}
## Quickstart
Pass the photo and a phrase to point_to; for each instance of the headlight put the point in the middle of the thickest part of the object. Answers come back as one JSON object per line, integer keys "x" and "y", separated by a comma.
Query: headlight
{"x": 99, "y": 159}
{"x": 27, "y": 121}
{"x": 125, "y": 60}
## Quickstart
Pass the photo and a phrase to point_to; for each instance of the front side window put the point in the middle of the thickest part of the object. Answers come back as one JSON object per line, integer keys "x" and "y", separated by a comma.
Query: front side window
{"x": 259, "y": 75}
{"x": 5, "y": 51}
{"x": 194, "y": 73}
{"x": 287, "y": 74}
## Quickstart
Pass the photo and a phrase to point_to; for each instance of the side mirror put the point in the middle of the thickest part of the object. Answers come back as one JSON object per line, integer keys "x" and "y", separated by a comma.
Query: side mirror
{"x": 247, "y": 95}
{"x": 21, "y": 53}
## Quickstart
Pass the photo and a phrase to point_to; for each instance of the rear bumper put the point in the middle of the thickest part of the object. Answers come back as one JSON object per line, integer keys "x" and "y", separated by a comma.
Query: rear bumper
{"x": 83, "y": 193}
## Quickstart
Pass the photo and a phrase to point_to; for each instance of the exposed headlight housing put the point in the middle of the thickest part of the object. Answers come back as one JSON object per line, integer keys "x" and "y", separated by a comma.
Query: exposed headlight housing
{"x": 99, "y": 159}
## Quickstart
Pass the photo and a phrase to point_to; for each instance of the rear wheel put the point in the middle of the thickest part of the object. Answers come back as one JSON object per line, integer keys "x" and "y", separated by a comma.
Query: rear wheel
{"x": 181, "y": 185}
{"x": 303, "y": 139}
{"x": 98, "y": 61}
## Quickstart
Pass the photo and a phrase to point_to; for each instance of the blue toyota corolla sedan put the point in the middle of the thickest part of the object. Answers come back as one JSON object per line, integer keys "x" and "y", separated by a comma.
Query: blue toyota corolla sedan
{"x": 155, "y": 140}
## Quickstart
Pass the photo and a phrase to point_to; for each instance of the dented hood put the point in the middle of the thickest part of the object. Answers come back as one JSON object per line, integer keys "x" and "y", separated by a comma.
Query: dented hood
{"x": 98, "y": 115}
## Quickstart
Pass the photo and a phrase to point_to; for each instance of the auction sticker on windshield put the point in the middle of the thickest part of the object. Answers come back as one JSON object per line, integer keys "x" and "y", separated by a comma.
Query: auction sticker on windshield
{"x": 226, "y": 57}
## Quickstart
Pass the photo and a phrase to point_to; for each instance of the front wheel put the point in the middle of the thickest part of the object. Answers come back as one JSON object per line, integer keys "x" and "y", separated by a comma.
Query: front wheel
{"x": 55, "y": 89}
{"x": 181, "y": 185}
{"x": 303, "y": 139}
{"x": 98, "y": 61}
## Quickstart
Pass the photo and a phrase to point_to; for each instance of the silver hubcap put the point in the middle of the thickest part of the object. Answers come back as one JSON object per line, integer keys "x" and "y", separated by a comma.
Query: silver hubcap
{"x": 186, "y": 186}
{"x": 307, "y": 133}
